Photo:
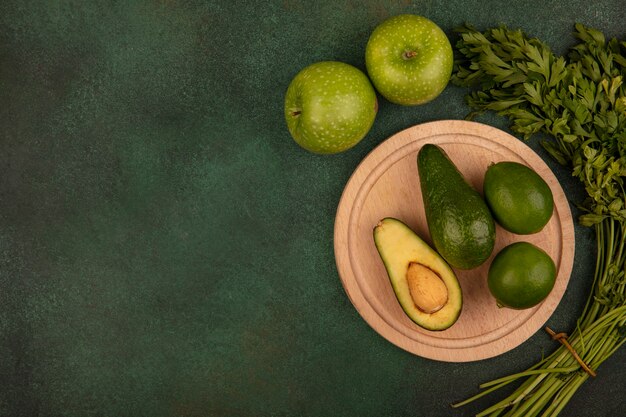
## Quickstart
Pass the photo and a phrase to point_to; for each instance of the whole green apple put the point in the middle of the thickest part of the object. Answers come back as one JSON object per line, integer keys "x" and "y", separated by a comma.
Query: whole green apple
{"x": 329, "y": 107}
{"x": 409, "y": 59}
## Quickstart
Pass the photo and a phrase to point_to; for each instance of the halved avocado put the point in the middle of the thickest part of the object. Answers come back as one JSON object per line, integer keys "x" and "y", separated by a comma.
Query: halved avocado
{"x": 425, "y": 285}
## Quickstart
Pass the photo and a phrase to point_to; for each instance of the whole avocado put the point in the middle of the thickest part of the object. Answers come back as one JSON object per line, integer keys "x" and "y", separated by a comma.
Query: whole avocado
{"x": 460, "y": 223}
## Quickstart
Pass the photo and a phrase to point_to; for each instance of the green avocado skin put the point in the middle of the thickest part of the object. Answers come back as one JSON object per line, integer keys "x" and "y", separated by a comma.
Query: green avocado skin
{"x": 461, "y": 226}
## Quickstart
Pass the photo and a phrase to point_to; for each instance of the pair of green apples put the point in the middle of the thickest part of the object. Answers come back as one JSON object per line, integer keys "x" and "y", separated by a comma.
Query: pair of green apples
{"x": 330, "y": 106}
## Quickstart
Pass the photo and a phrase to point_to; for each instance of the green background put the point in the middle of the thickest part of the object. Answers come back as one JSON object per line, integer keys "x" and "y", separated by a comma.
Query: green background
{"x": 166, "y": 249}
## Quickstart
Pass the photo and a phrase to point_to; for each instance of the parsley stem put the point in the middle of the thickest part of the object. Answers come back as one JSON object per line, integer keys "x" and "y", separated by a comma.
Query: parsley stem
{"x": 512, "y": 378}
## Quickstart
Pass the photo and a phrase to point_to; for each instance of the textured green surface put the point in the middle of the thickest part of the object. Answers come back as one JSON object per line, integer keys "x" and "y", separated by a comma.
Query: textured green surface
{"x": 166, "y": 249}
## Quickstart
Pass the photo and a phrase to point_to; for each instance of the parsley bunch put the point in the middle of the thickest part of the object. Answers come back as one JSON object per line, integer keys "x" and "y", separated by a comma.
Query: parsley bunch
{"x": 579, "y": 102}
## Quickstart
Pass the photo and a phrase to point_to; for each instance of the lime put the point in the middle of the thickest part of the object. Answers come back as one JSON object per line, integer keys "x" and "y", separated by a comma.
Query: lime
{"x": 521, "y": 275}
{"x": 519, "y": 199}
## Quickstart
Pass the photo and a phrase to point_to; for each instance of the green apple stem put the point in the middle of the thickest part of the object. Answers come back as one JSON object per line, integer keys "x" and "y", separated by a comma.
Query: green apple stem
{"x": 295, "y": 112}
{"x": 408, "y": 55}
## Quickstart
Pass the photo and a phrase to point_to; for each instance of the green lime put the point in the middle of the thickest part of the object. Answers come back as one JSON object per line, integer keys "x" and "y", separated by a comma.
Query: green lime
{"x": 519, "y": 199}
{"x": 521, "y": 275}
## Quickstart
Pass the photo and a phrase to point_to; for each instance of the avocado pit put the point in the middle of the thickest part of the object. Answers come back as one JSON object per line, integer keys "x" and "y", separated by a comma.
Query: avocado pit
{"x": 427, "y": 289}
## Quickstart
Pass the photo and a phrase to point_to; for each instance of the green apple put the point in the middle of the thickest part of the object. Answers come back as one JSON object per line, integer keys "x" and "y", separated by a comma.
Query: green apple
{"x": 409, "y": 59}
{"x": 329, "y": 107}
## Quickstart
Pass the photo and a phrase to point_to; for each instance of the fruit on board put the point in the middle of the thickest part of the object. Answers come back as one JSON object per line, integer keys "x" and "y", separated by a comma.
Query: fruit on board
{"x": 460, "y": 224}
{"x": 519, "y": 199}
{"x": 521, "y": 276}
{"x": 426, "y": 287}
{"x": 409, "y": 59}
{"x": 329, "y": 107}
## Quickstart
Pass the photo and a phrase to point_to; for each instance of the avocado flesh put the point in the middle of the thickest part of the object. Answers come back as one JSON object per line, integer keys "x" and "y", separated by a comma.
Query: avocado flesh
{"x": 460, "y": 224}
{"x": 418, "y": 273}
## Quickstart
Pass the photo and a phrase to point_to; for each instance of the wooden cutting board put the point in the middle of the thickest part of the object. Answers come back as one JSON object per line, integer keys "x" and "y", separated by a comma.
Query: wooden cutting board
{"x": 386, "y": 184}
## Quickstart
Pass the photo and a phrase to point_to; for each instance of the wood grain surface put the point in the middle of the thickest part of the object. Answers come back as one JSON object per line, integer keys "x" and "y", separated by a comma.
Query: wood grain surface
{"x": 386, "y": 184}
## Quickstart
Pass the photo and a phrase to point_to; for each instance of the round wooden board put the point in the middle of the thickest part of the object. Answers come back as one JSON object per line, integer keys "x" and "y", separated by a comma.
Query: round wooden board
{"x": 386, "y": 184}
